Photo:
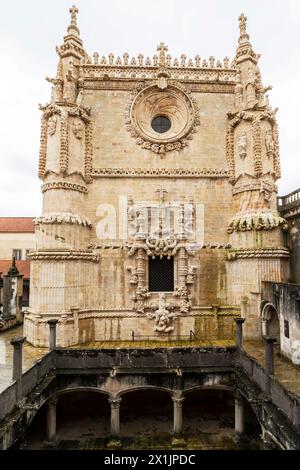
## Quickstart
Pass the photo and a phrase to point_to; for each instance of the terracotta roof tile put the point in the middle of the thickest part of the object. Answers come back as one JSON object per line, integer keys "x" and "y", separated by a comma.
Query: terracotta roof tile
{"x": 16, "y": 224}
{"x": 23, "y": 267}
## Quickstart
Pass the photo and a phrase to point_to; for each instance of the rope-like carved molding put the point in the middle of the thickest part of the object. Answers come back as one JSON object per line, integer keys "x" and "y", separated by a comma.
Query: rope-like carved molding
{"x": 64, "y": 185}
{"x": 257, "y": 253}
{"x": 126, "y": 245}
{"x": 165, "y": 172}
{"x": 256, "y": 132}
{"x": 62, "y": 218}
{"x": 230, "y": 153}
{"x": 88, "y": 152}
{"x": 256, "y": 221}
{"x": 64, "y": 146}
{"x": 73, "y": 255}
{"x": 276, "y": 156}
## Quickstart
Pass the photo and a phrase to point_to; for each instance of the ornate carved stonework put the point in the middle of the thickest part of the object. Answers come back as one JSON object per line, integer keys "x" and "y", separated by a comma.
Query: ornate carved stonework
{"x": 163, "y": 172}
{"x": 257, "y": 253}
{"x": 62, "y": 218}
{"x": 64, "y": 185}
{"x": 71, "y": 255}
{"x": 174, "y": 102}
{"x": 256, "y": 221}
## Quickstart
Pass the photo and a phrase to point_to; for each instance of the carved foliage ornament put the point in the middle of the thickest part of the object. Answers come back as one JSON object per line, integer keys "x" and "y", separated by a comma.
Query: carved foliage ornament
{"x": 171, "y": 101}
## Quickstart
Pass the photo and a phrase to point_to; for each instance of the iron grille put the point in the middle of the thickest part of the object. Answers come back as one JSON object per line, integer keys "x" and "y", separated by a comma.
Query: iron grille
{"x": 161, "y": 274}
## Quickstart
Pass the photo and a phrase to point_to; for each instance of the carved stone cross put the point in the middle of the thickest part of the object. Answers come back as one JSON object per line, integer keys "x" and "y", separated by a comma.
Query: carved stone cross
{"x": 161, "y": 193}
{"x": 243, "y": 23}
{"x": 162, "y": 49}
{"x": 74, "y": 11}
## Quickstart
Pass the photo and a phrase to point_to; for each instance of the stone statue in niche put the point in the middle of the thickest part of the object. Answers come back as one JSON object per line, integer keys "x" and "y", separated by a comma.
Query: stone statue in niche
{"x": 78, "y": 129}
{"x": 52, "y": 123}
{"x": 251, "y": 88}
{"x": 270, "y": 144}
{"x": 242, "y": 145}
{"x": 70, "y": 87}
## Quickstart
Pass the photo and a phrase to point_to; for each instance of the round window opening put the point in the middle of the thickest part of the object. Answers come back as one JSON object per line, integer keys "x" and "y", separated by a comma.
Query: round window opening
{"x": 161, "y": 124}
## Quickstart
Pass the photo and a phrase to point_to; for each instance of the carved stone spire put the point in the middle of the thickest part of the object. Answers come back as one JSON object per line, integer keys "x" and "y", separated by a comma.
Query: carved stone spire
{"x": 244, "y": 50}
{"x": 72, "y": 45}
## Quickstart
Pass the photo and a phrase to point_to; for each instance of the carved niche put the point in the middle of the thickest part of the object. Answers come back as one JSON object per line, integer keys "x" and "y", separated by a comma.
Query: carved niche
{"x": 162, "y": 98}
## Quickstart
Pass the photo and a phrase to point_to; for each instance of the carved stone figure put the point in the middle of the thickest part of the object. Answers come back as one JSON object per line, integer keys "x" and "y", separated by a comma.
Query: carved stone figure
{"x": 242, "y": 145}
{"x": 70, "y": 85}
{"x": 251, "y": 89}
{"x": 238, "y": 91}
{"x": 163, "y": 317}
{"x": 52, "y": 123}
{"x": 78, "y": 129}
{"x": 270, "y": 144}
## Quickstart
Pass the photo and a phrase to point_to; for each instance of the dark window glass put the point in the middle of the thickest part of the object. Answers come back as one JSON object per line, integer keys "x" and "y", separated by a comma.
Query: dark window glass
{"x": 161, "y": 124}
{"x": 161, "y": 274}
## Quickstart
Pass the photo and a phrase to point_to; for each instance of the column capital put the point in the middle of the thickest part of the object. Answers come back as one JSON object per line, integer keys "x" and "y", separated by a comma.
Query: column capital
{"x": 17, "y": 341}
{"x": 239, "y": 320}
{"x": 52, "y": 401}
{"x": 52, "y": 322}
{"x": 115, "y": 402}
{"x": 178, "y": 401}
{"x": 238, "y": 396}
{"x": 270, "y": 339}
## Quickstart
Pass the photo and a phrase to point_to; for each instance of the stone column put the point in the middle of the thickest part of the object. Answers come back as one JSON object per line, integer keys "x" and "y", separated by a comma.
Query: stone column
{"x": 177, "y": 415}
{"x": 269, "y": 355}
{"x": 52, "y": 339}
{"x": 51, "y": 421}
{"x": 182, "y": 268}
{"x": 115, "y": 416}
{"x": 141, "y": 270}
{"x": 17, "y": 343}
{"x": 239, "y": 421}
{"x": 239, "y": 332}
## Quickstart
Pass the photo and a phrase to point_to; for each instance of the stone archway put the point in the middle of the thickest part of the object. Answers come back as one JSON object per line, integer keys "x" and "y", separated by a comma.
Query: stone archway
{"x": 209, "y": 420}
{"x": 82, "y": 420}
{"x": 146, "y": 415}
{"x": 270, "y": 323}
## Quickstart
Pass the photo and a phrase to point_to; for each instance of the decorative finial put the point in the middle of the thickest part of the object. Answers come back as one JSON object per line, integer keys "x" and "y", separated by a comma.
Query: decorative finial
{"x": 243, "y": 28}
{"x": 73, "y": 28}
{"x": 161, "y": 194}
{"x": 162, "y": 49}
{"x": 74, "y": 12}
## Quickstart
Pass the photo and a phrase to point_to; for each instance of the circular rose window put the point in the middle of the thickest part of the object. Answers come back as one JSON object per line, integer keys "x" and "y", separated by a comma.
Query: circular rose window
{"x": 162, "y": 120}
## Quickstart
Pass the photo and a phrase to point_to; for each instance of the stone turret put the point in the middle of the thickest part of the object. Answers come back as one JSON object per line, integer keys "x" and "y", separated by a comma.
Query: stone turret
{"x": 255, "y": 231}
{"x": 63, "y": 230}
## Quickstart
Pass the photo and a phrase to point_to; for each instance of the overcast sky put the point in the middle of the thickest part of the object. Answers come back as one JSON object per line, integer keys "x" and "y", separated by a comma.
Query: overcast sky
{"x": 30, "y": 30}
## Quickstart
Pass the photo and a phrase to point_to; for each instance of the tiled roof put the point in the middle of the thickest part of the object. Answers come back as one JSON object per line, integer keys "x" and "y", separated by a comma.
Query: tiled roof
{"x": 16, "y": 224}
{"x": 23, "y": 267}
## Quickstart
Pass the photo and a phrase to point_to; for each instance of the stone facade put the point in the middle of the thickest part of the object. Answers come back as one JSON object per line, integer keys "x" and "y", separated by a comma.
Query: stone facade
{"x": 118, "y": 193}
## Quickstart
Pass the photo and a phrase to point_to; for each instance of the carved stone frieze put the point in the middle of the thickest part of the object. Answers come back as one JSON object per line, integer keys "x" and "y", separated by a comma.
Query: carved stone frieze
{"x": 164, "y": 172}
{"x": 64, "y": 185}
{"x": 256, "y": 221}
{"x": 62, "y": 218}
{"x": 71, "y": 255}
